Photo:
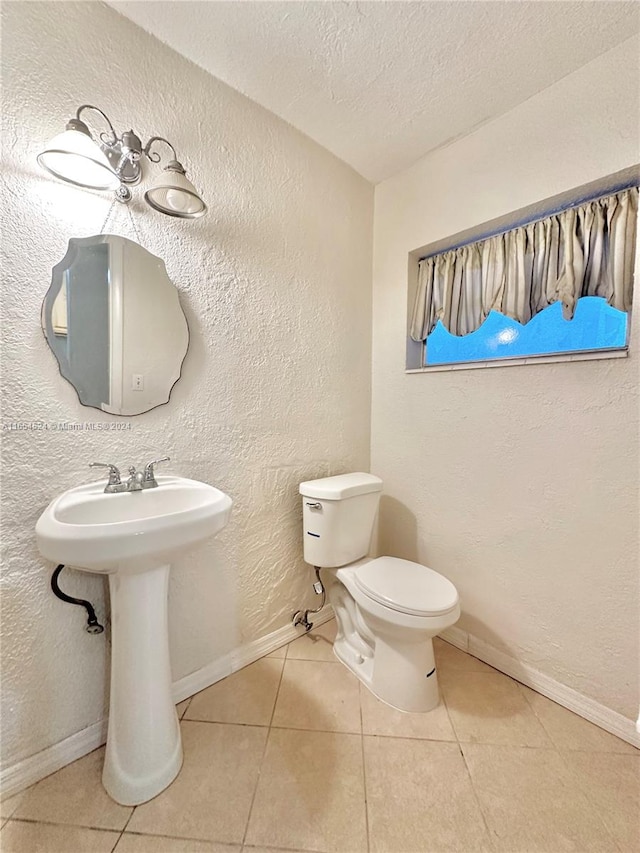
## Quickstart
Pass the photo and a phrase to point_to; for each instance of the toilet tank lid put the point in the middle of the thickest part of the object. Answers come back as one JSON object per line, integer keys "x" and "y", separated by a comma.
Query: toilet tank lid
{"x": 341, "y": 487}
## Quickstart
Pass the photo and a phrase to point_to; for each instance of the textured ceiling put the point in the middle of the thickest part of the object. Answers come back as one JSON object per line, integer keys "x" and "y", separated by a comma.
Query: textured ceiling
{"x": 382, "y": 83}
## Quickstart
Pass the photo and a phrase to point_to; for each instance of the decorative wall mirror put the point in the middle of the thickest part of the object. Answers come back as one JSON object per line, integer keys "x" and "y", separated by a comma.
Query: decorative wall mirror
{"x": 113, "y": 320}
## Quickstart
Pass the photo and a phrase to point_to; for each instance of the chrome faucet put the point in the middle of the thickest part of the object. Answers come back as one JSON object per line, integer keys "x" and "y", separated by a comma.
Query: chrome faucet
{"x": 114, "y": 484}
{"x": 137, "y": 479}
{"x": 149, "y": 478}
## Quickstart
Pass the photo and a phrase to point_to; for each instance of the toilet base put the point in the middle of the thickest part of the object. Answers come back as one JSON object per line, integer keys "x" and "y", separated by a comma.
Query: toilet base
{"x": 402, "y": 675}
{"x": 390, "y": 651}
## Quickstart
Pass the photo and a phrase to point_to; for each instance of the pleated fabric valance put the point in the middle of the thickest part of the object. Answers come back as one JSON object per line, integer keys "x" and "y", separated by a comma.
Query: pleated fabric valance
{"x": 583, "y": 251}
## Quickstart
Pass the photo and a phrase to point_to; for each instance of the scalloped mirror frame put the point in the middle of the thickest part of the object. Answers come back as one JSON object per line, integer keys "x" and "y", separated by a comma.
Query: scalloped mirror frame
{"x": 112, "y": 318}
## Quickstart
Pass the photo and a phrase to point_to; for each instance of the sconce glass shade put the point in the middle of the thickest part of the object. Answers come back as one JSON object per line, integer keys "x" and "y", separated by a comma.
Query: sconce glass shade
{"x": 174, "y": 194}
{"x": 74, "y": 157}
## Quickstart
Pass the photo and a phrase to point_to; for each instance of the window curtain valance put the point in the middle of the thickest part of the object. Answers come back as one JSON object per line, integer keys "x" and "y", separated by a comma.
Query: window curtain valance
{"x": 582, "y": 251}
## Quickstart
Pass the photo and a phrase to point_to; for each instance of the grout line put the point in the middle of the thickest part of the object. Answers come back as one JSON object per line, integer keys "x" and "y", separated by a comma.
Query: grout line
{"x": 410, "y": 737}
{"x": 364, "y": 769}
{"x": 281, "y": 727}
{"x": 66, "y": 823}
{"x": 275, "y": 702}
{"x": 124, "y": 828}
{"x": 226, "y": 723}
{"x": 247, "y": 848}
{"x": 231, "y": 844}
{"x": 446, "y": 708}
{"x": 316, "y": 731}
{"x": 188, "y": 700}
{"x": 503, "y": 745}
{"x": 127, "y": 822}
{"x": 477, "y": 798}
{"x": 314, "y": 660}
{"x": 264, "y": 750}
{"x": 19, "y": 796}
{"x": 531, "y": 707}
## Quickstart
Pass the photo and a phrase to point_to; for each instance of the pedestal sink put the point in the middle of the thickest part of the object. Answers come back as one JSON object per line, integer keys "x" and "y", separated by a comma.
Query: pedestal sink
{"x": 132, "y": 537}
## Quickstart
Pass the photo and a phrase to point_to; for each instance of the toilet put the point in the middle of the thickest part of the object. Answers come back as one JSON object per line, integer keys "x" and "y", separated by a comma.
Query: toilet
{"x": 387, "y": 610}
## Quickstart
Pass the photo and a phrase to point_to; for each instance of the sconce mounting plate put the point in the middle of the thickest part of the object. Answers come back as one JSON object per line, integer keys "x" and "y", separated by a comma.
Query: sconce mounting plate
{"x": 128, "y": 171}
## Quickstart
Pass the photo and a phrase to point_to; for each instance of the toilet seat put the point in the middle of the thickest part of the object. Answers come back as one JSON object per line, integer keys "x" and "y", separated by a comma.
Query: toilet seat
{"x": 406, "y": 587}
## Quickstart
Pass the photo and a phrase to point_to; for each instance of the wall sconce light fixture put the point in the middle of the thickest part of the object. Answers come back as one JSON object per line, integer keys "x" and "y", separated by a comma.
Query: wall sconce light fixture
{"x": 114, "y": 163}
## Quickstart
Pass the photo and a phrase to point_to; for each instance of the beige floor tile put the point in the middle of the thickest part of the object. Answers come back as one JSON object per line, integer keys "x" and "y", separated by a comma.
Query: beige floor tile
{"x": 489, "y": 708}
{"x": 451, "y": 658}
{"x": 318, "y": 695}
{"x": 18, "y": 837}
{"x": 531, "y": 802}
{"x": 569, "y": 731}
{"x": 311, "y": 793}
{"x": 211, "y": 797}
{"x": 74, "y": 795}
{"x": 181, "y": 707}
{"x": 612, "y": 784}
{"x": 316, "y": 645}
{"x": 420, "y": 798}
{"x": 247, "y": 696}
{"x": 251, "y": 849}
{"x": 130, "y": 843}
{"x": 9, "y": 804}
{"x": 381, "y": 719}
{"x": 278, "y": 653}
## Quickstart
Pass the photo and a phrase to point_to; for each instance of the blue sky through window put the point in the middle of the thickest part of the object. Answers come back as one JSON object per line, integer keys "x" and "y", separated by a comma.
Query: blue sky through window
{"x": 595, "y": 325}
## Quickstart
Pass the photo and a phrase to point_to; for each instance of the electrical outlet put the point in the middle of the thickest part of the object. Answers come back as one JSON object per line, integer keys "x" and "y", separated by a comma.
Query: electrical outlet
{"x": 137, "y": 382}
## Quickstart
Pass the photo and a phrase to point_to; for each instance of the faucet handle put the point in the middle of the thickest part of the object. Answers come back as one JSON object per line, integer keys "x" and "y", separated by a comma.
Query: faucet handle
{"x": 149, "y": 476}
{"x": 114, "y": 474}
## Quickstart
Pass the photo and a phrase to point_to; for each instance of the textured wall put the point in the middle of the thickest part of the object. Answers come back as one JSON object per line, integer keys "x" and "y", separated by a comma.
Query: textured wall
{"x": 518, "y": 483}
{"x": 275, "y": 282}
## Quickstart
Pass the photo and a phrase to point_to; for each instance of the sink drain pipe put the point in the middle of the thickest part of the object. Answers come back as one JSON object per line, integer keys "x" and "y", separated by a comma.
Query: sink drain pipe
{"x": 93, "y": 626}
{"x": 301, "y": 617}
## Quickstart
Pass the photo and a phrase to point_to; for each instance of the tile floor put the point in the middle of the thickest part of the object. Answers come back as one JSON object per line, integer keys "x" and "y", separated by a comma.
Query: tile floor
{"x": 292, "y": 754}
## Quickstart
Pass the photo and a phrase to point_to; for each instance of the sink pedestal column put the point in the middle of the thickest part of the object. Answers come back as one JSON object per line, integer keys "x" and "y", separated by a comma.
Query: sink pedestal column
{"x": 144, "y": 749}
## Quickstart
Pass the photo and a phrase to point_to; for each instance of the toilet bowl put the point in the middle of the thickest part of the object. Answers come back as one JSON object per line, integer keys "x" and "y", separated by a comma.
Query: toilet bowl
{"x": 387, "y": 609}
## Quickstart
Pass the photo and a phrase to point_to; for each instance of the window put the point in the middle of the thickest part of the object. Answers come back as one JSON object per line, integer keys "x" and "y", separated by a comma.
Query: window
{"x": 553, "y": 286}
{"x": 595, "y": 326}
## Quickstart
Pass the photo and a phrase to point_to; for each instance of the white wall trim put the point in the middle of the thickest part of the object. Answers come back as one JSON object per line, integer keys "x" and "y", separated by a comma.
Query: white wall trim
{"x": 19, "y": 776}
{"x": 596, "y": 355}
{"x": 240, "y": 657}
{"x": 29, "y": 771}
{"x": 585, "y": 707}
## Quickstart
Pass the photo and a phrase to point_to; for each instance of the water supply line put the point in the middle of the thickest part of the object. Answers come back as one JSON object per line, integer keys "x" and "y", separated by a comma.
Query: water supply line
{"x": 93, "y": 626}
{"x": 302, "y": 617}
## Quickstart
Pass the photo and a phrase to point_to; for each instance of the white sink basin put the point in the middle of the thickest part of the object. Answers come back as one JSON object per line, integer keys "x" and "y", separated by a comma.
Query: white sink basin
{"x": 130, "y": 531}
{"x": 132, "y": 536}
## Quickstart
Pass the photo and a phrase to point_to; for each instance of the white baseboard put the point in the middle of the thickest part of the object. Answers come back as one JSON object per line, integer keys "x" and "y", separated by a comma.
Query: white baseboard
{"x": 19, "y": 776}
{"x": 457, "y": 638}
{"x": 25, "y": 773}
{"x": 585, "y": 707}
{"x": 240, "y": 657}
{"x": 29, "y": 771}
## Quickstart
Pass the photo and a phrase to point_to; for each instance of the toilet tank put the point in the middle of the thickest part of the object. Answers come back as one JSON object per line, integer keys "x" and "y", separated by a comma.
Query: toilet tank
{"x": 338, "y": 514}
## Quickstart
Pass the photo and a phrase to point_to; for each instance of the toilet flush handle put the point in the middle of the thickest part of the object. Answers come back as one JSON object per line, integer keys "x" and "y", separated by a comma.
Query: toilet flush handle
{"x": 314, "y": 504}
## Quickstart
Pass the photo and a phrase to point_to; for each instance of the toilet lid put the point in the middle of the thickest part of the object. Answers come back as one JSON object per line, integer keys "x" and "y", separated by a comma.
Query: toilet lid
{"x": 406, "y": 586}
